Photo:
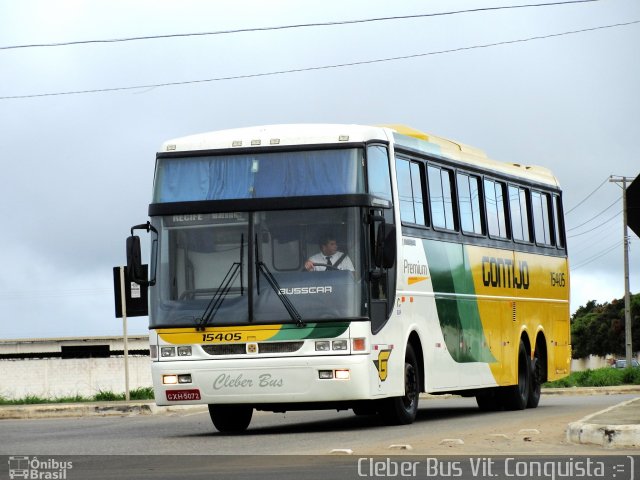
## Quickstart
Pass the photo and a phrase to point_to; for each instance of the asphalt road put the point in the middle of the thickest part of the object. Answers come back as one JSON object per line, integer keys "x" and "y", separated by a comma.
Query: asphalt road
{"x": 451, "y": 438}
{"x": 449, "y": 426}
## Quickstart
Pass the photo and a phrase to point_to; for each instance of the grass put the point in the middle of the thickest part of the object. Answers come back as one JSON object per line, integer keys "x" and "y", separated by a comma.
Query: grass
{"x": 144, "y": 393}
{"x": 601, "y": 377}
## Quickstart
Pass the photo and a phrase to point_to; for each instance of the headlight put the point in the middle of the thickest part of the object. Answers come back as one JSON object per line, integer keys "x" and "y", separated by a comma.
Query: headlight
{"x": 167, "y": 352}
{"x": 184, "y": 351}
{"x": 339, "y": 345}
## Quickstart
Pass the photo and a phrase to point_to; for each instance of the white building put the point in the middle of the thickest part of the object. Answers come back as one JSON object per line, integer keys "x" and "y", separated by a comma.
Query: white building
{"x": 66, "y": 367}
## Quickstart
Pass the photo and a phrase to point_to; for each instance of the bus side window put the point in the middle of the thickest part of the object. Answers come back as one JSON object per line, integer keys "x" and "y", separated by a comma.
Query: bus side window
{"x": 410, "y": 191}
{"x": 541, "y": 223}
{"x": 378, "y": 171}
{"x": 520, "y": 225}
{"x": 495, "y": 205}
{"x": 559, "y": 221}
{"x": 469, "y": 204}
{"x": 441, "y": 197}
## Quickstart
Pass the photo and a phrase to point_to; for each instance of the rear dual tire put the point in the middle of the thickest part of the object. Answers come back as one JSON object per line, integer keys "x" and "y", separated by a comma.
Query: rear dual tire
{"x": 525, "y": 394}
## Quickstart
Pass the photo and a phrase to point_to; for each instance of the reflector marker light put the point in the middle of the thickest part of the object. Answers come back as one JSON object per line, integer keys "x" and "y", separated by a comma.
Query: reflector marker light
{"x": 359, "y": 344}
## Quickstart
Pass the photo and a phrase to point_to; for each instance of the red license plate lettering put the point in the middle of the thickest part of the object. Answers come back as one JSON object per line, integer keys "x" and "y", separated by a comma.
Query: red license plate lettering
{"x": 183, "y": 395}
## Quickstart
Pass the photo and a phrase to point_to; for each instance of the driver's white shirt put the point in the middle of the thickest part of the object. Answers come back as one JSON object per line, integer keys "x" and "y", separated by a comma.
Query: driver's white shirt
{"x": 319, "y": 257}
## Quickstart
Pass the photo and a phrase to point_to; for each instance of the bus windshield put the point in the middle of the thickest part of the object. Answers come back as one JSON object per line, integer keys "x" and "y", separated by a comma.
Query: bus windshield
{"x": 240, "y": 268}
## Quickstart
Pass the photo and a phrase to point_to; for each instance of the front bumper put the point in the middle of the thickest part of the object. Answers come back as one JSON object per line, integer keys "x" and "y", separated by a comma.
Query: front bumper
{"x": 267, "y": 380}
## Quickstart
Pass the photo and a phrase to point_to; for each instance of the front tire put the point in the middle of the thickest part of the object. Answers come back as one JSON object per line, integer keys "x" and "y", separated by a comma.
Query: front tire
{"x": 403, "y": 410}
{"x": 230, "y": 418}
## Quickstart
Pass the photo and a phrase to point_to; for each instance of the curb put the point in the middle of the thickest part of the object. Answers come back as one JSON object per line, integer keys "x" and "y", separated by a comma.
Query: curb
{"x": 621, "y": 389}
{"x": 104, "y": 409}
{"x": 148, "y": 407}
{"x": 589, "y": 431}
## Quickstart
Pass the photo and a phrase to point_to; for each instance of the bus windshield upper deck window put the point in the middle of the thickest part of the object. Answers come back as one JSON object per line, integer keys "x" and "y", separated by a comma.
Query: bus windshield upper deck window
{"x": 260, "y": 175}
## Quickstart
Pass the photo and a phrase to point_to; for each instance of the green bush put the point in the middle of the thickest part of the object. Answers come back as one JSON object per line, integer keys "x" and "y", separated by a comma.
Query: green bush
{"x": 107, "y": 396}
{"x": 143, "y": 393}
{"x": 601, "y": 377}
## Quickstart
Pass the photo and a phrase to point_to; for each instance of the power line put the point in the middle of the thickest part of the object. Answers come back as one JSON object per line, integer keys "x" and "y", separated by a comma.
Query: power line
{"x": 594, "y": 217}
{"x": 286, "y": 27}
{"x": 596, "y": 256}
{"x": 31, "y": 294}
{"x": 595, "y": 228}
{"x": 588, "y": 196}
{"x": 587, "y": 246}
{"x": 323, "y": 67}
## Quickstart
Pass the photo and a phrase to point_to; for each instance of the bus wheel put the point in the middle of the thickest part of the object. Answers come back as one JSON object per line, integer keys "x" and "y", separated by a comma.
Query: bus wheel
{"x": 230, "y": 418}
{"x": 536, "y": 380}
{"x": 516, "y": 397}
{"x": 489, "y": 400}
{"x": 403, "y": 410}
{"x": 366, "y": 407}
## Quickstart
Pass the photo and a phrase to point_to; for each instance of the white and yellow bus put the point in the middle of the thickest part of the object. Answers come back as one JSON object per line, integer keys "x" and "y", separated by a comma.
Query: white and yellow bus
{"x": 450, "y": 274}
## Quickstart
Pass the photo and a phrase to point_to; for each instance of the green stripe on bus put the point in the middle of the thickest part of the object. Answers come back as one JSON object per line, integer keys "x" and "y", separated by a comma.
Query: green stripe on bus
{"x": 311, "y": 330}
{"x": 459, "y": 317}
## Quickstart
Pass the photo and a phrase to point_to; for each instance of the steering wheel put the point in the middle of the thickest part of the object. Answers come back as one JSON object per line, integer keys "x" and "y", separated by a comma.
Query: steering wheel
{"x": 325, "y": 265}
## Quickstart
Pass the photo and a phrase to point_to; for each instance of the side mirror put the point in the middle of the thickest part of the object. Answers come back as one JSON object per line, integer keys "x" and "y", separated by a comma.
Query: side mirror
{"x": 389, "y": 248}
{"x": 135, "y": 269}
{"x": 134, "y": 260}
{"x": 378, "y": 244}
{"x": 384, "y": 249}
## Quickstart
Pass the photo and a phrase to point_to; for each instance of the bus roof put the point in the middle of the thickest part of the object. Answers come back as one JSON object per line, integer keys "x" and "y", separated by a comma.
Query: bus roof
{"x": 332, "y": 134}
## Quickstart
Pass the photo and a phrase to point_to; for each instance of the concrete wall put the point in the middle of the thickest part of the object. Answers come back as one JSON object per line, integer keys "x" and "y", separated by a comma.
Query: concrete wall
{"x": 589, "y": 363}
{"x": 55, "y": 377}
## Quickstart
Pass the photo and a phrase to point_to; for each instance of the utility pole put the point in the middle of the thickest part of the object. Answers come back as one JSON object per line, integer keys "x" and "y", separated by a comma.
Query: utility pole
{"x": 123, "y": 298}
{"x": 625, "y": 235}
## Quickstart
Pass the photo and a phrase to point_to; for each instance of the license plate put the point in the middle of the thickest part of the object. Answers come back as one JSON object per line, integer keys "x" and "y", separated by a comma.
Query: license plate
{"x": 182, "y": 395}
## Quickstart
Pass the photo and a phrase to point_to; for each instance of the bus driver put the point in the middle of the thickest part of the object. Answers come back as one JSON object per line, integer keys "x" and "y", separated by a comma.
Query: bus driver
{"x": 328, "y": 258}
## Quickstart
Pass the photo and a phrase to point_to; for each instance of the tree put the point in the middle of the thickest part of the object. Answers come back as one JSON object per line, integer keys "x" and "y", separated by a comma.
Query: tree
{"x": 598, "y": 329}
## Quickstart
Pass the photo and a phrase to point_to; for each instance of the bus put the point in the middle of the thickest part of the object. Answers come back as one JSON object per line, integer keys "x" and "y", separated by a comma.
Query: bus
{"x": 455, "y": 279}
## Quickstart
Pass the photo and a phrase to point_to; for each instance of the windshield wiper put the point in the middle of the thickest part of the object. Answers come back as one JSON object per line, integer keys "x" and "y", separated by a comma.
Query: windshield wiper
{"x": 271, "y": 280}
{"x": 273, "y": 283}
{"x": 223, "y": 290}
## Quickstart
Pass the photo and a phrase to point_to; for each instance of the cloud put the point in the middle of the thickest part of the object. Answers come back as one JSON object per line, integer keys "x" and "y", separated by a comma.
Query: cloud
{"x": 77, "y": 170}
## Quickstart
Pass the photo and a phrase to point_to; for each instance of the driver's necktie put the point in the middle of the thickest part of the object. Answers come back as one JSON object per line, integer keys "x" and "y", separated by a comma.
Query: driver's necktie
{"x": 329, "y": 261}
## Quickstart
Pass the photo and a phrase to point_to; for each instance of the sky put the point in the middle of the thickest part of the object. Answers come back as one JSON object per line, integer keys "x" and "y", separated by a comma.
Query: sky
{"x": 77, "y": 169}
